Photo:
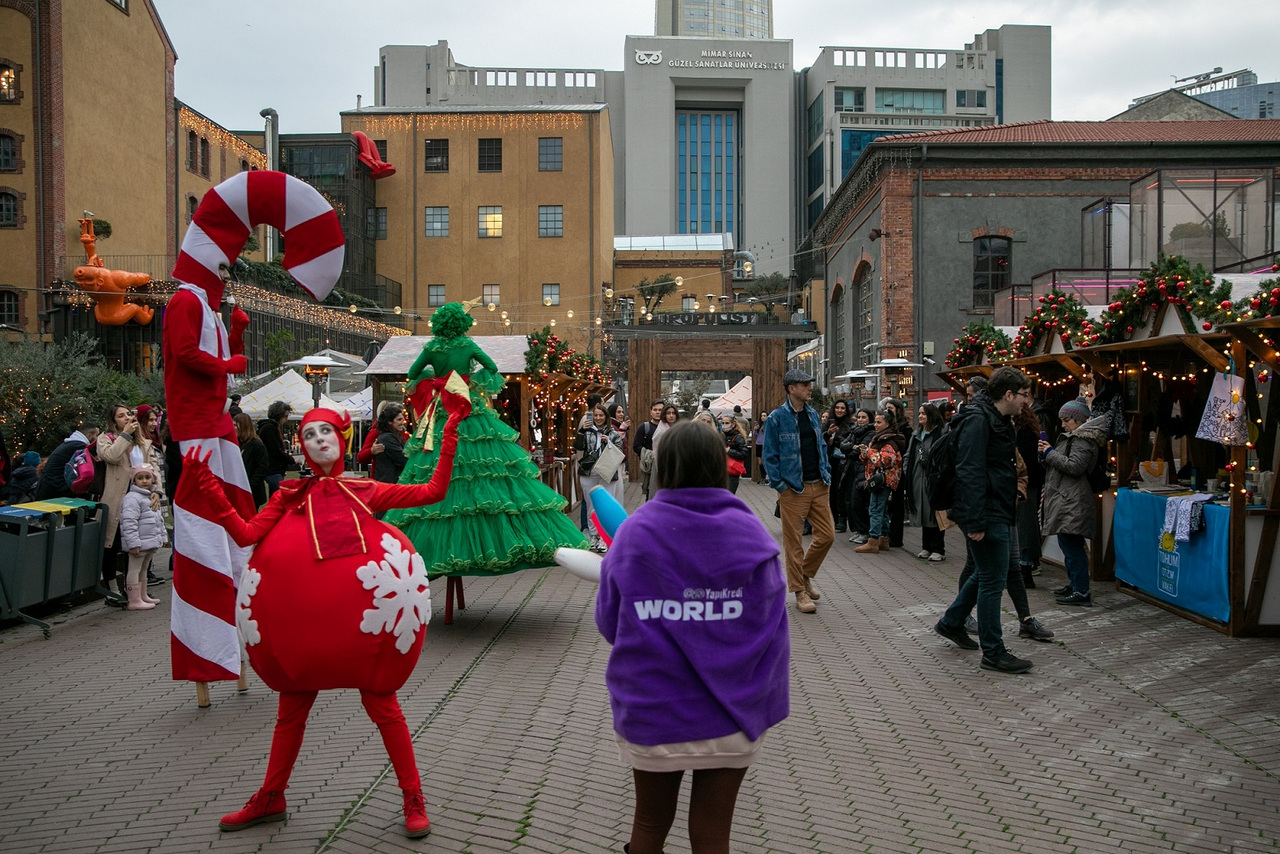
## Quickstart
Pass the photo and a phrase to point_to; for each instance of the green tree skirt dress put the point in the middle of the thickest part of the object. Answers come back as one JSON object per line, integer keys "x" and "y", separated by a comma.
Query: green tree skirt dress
{"x": 498, "y": 516}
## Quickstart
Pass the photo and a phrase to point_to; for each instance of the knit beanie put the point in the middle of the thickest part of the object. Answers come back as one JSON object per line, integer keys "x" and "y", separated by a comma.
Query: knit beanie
{"x": 31, "y": 458}
{"x": 1076, "y": 410}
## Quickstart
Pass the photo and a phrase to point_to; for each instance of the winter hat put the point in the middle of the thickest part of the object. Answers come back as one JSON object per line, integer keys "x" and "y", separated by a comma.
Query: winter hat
{"x": 31, "y": 458}
{"x": 1076, "y": 410}
{"x": 137, "y": 470}
{"x": 341, "y": 423}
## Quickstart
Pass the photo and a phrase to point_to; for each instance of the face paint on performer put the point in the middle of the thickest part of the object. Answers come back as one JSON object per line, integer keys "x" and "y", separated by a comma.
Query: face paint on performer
{"x": 322, "y": 444}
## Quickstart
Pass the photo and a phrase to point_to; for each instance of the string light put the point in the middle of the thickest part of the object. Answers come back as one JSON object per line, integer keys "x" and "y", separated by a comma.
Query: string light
{"x": 381, "y": 126}
{"x": 189, "y": 120}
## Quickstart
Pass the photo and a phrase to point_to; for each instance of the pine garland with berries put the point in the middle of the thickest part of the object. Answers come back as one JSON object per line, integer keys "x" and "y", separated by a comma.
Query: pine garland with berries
{"x": 1190, "y": 290}
{"x": 975, "y": 339}
{"x": 1059, "y": 313}
{"x": 549, "y": 354}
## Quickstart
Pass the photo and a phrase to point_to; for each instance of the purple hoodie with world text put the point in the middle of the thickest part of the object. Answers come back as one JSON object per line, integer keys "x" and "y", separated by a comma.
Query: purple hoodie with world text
{"x": 693, "y": 599}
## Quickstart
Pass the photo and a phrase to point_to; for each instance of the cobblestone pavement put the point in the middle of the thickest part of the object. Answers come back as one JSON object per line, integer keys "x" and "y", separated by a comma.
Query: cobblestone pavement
{"x": 1137, "y": 731}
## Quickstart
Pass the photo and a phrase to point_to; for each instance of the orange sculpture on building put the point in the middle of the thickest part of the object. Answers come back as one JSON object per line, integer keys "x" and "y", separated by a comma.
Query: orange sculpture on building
{"x": 109, "y": 286}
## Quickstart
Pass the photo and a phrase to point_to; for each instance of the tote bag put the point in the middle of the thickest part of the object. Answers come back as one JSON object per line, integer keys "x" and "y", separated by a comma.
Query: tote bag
{"x": 1225, "y": 419}
{"x": 606, "y": 467}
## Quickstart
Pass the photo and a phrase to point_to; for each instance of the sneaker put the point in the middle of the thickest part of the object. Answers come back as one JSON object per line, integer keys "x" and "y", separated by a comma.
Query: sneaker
{"x": 937, "y": 557}
{"x": 153, "y": 579}
{"x": 264, "y": 806}
{"x": 971, "y": 624}
{"x": 1006, "y": 662}
{"x": 804, "y": 604}
{"x": 1074, "y": 598}
{"x": 1063, "y": 590}
{"x": 1033, "y": 629}
{"x": 860, "y": 539}
{"x": 923, "y": 554}
{"x": 959, "y": 637}
{"x": 812, "y": 589}
{"x": 1035, "y": 569}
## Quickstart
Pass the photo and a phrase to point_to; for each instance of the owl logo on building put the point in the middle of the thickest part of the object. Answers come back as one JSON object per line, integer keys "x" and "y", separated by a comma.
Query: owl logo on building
{"x": 648, "y": 57}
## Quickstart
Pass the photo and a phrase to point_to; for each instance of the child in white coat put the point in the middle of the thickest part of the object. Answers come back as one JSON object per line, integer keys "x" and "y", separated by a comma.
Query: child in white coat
{"x": 142, "y": 532}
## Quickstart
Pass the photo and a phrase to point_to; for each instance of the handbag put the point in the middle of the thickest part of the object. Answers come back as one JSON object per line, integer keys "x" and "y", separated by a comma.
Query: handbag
{"x": 606, "y": 467}
{"x": 736, "y": 468}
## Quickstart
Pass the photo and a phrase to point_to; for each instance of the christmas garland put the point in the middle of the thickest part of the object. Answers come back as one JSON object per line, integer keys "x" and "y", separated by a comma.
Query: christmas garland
{"x": 1059, "y": 314}
{"x": 548, "y": 354}
{"x": 975, "y": 339}
{"x": 1190, "y": 290}
{"x": 1265, "y": 302}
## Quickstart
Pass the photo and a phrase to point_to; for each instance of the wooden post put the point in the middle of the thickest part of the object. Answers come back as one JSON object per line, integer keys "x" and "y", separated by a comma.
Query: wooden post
{"x": 202, "y": 695}
{"x": 242, "y": 684}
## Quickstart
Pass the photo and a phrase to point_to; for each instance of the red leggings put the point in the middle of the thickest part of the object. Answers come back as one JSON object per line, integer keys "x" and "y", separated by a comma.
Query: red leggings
{"x": 291, "y": 725}
{"x": 711, "y": 803}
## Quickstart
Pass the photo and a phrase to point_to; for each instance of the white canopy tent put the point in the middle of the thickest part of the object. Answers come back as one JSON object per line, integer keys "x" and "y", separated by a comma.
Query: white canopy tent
{"x": 289, "y": 387}
{"x": 739, "y": 395}
{"x": 360, "y": 405}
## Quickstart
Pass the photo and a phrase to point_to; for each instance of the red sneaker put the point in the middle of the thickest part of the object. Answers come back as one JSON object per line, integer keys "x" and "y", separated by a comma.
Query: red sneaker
{"x": 264, "y": 806}
{"x": 416, "y": 823}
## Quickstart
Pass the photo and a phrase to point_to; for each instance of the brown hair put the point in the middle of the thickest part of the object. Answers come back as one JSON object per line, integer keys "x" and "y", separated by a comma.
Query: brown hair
{"x": 1026, "y": 417}
{"x": 691, "y": 456}
{"x": 244, "y": 428}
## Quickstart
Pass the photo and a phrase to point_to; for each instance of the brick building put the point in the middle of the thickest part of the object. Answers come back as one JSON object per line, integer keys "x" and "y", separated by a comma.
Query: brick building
{"x": 931, "y": 231}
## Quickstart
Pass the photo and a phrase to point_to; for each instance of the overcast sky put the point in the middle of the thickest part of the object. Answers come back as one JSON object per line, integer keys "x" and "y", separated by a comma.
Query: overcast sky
{"x": 310, "y": 58}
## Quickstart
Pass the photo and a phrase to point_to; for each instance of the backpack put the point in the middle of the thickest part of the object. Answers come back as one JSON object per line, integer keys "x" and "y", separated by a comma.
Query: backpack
{"x": 940, "y": 471}
{"x": 1098, "y": 476}
{"x": 79, "y": 472}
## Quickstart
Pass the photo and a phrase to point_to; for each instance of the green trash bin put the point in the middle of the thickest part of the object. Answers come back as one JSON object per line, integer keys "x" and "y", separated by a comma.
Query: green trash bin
{"x": 25, "y": 536}
{"x": 76, "y": 554}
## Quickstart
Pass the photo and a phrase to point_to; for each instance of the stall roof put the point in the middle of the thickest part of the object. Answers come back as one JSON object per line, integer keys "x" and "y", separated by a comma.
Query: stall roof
{"x": 399, "y": 353}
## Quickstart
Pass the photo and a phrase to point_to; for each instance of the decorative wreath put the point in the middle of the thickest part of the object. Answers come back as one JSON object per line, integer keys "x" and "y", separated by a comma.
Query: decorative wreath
{"x": 975, "y": 339}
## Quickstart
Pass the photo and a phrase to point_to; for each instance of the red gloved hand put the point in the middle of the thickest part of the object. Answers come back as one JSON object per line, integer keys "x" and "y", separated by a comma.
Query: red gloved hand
{"x": 239, "y": 323}
{"x": 236, "y": 364}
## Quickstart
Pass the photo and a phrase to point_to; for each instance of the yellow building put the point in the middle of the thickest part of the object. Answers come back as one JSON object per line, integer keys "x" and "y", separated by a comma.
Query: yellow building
{"x": 208, "y": 154}
{"x": 512, "y": 204}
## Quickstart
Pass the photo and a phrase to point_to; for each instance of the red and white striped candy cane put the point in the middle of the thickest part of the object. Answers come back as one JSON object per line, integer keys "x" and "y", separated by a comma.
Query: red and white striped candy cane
{"x": 207, "y": 564}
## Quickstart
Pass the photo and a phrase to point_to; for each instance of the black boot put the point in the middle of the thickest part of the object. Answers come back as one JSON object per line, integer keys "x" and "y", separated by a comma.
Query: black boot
{"x": 1027, "y": 579}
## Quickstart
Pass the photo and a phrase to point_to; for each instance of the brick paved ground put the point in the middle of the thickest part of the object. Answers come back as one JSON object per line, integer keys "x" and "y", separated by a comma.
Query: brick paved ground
{"x": 1135, "y": 732}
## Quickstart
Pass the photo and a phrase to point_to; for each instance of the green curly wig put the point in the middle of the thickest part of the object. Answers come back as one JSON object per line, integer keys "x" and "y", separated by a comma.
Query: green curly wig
{"x": 451, "y": 320}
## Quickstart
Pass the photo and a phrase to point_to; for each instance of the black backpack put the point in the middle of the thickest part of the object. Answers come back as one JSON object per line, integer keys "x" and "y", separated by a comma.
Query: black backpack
{"x": 1098, "y": 476}
{"x": 941, "y": 472}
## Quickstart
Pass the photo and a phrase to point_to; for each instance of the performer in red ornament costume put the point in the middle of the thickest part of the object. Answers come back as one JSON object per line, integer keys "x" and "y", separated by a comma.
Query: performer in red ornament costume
{"x": 198, "y": 356}
{"x": 319, "y": 550}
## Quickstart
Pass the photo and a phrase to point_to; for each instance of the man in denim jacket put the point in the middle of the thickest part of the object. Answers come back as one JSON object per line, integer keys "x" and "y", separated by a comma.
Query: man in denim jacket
{"x": 795, "y": 461}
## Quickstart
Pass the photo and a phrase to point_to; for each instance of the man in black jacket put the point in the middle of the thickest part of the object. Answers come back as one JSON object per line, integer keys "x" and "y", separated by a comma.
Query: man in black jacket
{"x": 53, "y": 480}
{"x": 643, "y": 441}
{"x": 985, "y": 498}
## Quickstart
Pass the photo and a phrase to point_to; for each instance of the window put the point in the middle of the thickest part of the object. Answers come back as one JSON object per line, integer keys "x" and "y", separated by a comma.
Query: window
{"x": 192, "y": 204}
{"x": 491, "y": 295}
{"x": 10, "y": 209}
{"x": 381, "y": 144}
{"x": 551, "y": 292}
{"x": 910, "y": 101}
{"x": 991, "y": 266}
{"x": 436, "y": 156}
{"x": 244, "y": 165}
{"x": 8, "y": 308}
{"x": 971, "y": 98}
{"x": 204, "y": 157}
{"x": 490, "y": 155}
{"x": 9, "y": 83}
{"x": 550, "y": 154}
{"x": 490, "y": 222}
{"x": 851, "y": 100}
{"x": 551, "y": 220}
{"x": 375, "y": 223}
{"x": 8, "y": 153}
{"x": 437, "y": 222}
{"x": 815, "y": 119}
{"x": 193, "y": 151}
{"x": 686, "y": 303}
{"x": 123, "y": 4}
{"x": 435, "y": 296}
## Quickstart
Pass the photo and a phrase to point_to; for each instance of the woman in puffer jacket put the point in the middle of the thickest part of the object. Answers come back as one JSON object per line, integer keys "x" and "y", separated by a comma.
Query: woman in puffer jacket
{"x": 882, "y": 470}
{"x": 1067, "y": 508}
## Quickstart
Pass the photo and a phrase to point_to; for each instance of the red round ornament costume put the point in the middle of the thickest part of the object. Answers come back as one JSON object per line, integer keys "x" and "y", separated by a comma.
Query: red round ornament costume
{"x": 319, "y": 550}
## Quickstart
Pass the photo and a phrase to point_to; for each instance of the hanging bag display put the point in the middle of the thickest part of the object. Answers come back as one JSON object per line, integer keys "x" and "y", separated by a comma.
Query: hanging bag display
{"x": 1224, "y": 418}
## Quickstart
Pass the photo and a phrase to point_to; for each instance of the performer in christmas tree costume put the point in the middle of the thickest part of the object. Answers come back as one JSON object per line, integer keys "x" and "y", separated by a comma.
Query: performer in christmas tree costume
{"x": 498, "y": 516}
{"x": 331, "y": 598}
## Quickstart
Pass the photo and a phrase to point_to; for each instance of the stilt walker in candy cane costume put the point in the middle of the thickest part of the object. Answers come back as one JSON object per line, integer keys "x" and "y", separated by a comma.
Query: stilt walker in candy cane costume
{"x": 332, "y": 597}
{"x": 198, "y": 355}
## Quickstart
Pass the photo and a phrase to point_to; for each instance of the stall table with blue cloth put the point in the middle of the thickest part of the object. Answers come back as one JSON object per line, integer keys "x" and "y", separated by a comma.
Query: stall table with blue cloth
{"x": 1191, "y": 575}
{"x": 52, "y": 549}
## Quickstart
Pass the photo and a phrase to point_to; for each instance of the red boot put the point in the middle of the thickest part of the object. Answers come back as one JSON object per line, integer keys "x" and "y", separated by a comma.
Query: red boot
{"x": 416, "y": 823}
{"x": 264, "y": 806}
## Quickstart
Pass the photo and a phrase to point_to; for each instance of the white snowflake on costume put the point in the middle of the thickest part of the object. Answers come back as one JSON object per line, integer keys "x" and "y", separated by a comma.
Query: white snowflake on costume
{"x": 401, "y": 597}
{"x": 244, "y": 616}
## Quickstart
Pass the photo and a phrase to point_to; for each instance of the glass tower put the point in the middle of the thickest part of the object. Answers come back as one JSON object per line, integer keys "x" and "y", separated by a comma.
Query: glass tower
{"x": 707, "y": 159}
{"x": 714, "y": 19}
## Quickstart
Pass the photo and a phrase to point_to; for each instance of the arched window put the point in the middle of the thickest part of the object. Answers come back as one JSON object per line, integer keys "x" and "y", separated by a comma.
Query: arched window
{"x": 192, "y": 204}
{"x": 193, "y": 151}
{"x": 9, "y": 89}
{"x": 992, "y": 261}
{"x": 10, "y": 209}
{"x": 204, "y": 157}
{"x": 244, "y": 165}
{"x": 8, "y": 153}
{"x": 9, "y": 308}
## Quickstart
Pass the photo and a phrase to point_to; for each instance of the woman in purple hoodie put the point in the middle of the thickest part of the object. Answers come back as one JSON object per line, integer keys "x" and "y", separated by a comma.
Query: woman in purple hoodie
{"x": 693, "y": 600}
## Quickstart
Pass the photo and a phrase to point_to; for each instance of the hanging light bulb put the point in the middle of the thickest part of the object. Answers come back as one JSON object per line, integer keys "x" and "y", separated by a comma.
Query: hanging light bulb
{"x": 696, "y": 306}
{"x": 648, "y": 316}
{"x": 569, "y": 314}
{"x": 506, "y": 321}
{"x": 598, "y": 321}
{"x": 747, "y": 266}
{"x": 679, "y": 281}
{"x": 503, "y": 315}
{"x": 608, "y": 292}
{"x": 493, "y": 306}
{"x": 553, "y": 321}
{"x": 397, "y": 309}
{"x": 546, "y": 301}
{"x": 353, "y": 309}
